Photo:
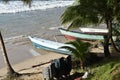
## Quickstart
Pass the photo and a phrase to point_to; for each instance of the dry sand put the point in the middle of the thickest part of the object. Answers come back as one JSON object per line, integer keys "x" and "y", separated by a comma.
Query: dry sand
{"x": 28, "y": 66}
{"x": 21, "y": 47}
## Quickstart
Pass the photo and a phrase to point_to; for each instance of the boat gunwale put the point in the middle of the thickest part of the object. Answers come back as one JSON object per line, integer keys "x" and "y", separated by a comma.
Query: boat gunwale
{"x": 51, "y": 49}
{"x": 89, "y": 33}
{"x": 76, "y": 32}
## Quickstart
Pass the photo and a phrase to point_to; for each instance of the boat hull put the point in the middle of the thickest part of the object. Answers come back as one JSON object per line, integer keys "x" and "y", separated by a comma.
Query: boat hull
{"x": 82, "y": 35}
{"x": 41, "y": 44}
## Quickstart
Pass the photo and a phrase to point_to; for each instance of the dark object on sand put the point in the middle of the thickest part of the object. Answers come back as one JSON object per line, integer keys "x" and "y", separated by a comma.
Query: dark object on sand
{"x": 60, "y": 68}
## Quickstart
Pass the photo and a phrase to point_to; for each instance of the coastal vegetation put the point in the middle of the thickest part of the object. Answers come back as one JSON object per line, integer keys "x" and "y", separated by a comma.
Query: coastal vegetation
{"x": 98, "y": 67}
{"x": 107, "y": 69}
{"x": 79, "y": 50}
{"x": 94, "y": 12}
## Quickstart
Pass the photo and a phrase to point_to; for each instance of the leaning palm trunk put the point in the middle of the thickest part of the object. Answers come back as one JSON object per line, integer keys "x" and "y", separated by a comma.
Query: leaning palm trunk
{"x": 113, "y": 40}
{"x": 10, "y": 70}
{"x": 110, "y": 33}
{"x": 118, "y": 50}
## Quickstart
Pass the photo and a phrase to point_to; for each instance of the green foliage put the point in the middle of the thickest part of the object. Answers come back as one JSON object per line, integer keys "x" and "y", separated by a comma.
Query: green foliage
{"x": 78, "y": 15}
{"x": 86, "y": 12}
{"x": 78, "y": 49}
{"x": 116, "y": 29}
{"x": 108, "y": 69}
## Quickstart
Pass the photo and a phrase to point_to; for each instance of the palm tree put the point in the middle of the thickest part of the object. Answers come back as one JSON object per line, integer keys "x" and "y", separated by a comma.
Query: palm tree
{"x": 79, "y": 50}
{"x": 11, "y": 72}
{"x": 87, "y": 12}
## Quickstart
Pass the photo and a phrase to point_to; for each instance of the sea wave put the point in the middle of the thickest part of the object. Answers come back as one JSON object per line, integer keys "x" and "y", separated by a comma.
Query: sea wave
{"x": 18, "y": 6}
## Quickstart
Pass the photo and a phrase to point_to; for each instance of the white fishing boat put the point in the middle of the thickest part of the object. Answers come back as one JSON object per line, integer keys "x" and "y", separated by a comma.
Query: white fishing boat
{"x": 85, "y": 34}
{"x": 49, "y": 45}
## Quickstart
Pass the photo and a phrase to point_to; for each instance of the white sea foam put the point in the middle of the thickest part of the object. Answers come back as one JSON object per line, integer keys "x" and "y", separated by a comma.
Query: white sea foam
{"x": 18, "y": 6}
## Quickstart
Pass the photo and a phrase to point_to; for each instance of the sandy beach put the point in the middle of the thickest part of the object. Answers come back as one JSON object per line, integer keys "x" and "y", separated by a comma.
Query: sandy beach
{"x": 17, "y": 27}
{"x": 15, "y": 30}
{"x": 27, "y": 66}
{"x": 18, "y": 21}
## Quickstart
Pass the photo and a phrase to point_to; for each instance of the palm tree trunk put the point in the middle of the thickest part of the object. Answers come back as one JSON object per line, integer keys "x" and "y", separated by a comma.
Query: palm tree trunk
{"x": 106, "y": 46}
{"x": 10, "y": 70}
{"x": 107, "y": 38}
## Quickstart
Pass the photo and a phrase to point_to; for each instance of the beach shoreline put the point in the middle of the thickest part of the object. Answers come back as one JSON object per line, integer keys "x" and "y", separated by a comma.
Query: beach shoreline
{"x": 31, "y": 22}
{"x": 17, "y": 27}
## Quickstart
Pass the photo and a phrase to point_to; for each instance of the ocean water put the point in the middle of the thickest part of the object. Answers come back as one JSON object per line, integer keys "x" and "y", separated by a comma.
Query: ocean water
{"x": 18, "y": 19}
{"x": 18, "y": 6}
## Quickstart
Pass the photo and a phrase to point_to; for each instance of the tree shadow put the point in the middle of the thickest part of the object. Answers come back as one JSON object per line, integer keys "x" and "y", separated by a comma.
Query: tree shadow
{"x": 38, "y": 65}
{"x": 29, "y": 74}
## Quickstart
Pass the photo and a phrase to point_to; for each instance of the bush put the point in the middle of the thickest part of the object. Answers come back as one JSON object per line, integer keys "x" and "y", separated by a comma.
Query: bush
{"x": 91, "y": 59}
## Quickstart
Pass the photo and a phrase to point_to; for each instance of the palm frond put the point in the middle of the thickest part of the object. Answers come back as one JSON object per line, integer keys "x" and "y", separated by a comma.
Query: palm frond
{"x": 68, "y": 16}
{"x": 73, "y": 50}
{"x": 75, "y": 45}
{"x": 78, "y": 15}
{"x": 76, "y": 23}
{"x": 79, "y": 48}
{"x": 83, "y": 47}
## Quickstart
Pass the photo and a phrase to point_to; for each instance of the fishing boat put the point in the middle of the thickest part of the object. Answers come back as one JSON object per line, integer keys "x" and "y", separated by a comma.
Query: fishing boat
{"x": 85, "y": 34}
{"x": 49, "y": 45}
{"x": 94, "y": 31}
